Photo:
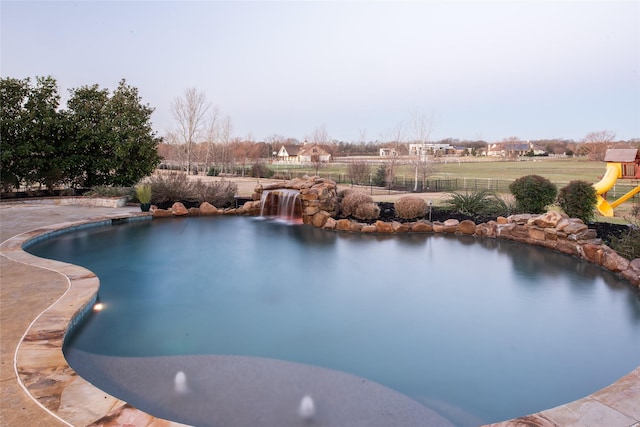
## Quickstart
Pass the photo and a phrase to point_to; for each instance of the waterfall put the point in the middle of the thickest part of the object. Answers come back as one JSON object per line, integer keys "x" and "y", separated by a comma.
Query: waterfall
{"x": 281, "y": 203}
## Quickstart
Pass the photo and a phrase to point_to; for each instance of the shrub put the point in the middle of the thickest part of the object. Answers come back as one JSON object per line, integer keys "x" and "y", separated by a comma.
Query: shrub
{"x": 533, "y": 193}
{"x": 351, "y": 200}
{"x": 380, "y": 178}
{"x": 108, "y": 191}
{"x": 628, "y": 245}
{"x": 171, "y": 187}
{"x": 359, "y": 172}
{"x": 578, "y": 200}
{"x": 410, "y": 207}
{"x": 259, "y": 169}
{"x": 143, "y": 193}
{"x": 483, "y": 202}
{"x": 366, "y": 211}
{"x": 218, "y": 193}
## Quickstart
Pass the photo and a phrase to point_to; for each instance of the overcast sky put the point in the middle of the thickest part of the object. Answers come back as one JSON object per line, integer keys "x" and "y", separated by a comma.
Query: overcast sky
{"x": 482, "y": 70}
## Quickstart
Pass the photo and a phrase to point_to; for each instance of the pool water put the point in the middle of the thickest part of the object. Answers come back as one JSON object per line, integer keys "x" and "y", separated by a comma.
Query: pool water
{"x": 487, "y": 328}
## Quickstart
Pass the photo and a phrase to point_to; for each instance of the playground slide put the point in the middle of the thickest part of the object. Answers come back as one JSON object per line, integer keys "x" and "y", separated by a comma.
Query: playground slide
{"x": 611, "y": 175}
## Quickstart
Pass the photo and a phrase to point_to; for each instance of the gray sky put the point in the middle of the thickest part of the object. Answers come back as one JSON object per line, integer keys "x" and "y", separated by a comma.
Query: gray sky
{"x": 485, "y": 70}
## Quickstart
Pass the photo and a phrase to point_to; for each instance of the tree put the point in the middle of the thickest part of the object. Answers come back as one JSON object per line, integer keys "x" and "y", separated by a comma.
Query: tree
{"x": 359, "y": 172}
{"x": 129, "y": 130}
{"x": 596, "y": 144}
{"x": 33, "y": 133}
{"x": 113, "y": 142}
{"x": 422, "y": 128}
{"x": 189, "y": 112}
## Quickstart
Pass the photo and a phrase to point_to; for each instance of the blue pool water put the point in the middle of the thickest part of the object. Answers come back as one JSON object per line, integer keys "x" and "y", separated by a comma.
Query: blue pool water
{"x": 486, "y": 328}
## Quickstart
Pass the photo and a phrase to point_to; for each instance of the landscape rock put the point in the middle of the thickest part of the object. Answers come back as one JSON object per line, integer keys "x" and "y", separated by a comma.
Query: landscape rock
{"x": 207, "y": 208}
{"x": 178, "y": 209}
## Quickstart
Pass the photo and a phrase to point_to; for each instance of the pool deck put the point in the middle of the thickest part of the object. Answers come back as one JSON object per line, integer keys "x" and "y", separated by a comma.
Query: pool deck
{"x": 36, "y": 295}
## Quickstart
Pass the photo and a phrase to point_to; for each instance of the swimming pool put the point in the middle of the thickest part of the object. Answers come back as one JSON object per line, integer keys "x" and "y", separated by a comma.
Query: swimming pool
{"x": 477, "y": 329}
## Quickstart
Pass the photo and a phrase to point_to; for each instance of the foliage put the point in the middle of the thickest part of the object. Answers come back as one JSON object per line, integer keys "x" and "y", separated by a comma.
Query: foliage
{"x": 218, "y": 193}
{"x": 112, "y": 136}
{"x": 170, "y": 187}
{"x": 359, "y": 172}
{"x": 351, "y": 200}
{"x": 410, "y": 207}
{"x": 367, "y": 211}
{"x": 98, "y": 140}
{"x": 481, "y": 202}
{"x": 143, "y": 193}
{"x": 578, "y": 200}
{"x": 33, "y": 134}
{"x": 533, "y": 193}
{"x": 108, "y": 191}
{"x": 628, "y": 245}
{"x": 380, "y": 178}
{"x": 259, "y": 169}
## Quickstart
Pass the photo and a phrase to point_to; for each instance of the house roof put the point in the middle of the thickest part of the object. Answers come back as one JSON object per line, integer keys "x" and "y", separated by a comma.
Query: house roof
{"x": 621, "y": 155}
{"x": 292, "y": 150}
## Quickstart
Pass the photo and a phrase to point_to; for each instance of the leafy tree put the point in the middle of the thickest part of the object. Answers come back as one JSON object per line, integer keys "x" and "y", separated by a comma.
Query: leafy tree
{"x": 113, "y": 143}
{"x": 33, "y": 132}
{"x": 533, "y": 193}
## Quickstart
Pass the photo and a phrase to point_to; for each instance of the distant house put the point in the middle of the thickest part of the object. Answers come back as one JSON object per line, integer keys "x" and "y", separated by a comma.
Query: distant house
{"x": 388, "y": 152}
{"x": 425, "y": 149}
{"x": 302, "y": 154}
{"x": 509, "y": 149}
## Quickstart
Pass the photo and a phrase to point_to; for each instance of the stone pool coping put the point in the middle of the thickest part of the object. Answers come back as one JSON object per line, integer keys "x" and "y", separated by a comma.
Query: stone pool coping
{"x": 44, "y": 374}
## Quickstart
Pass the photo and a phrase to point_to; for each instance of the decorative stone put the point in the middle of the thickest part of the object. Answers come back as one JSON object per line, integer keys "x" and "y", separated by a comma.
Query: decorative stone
{"x": 330, "y": 224}
{"x": 438, "y": 227}
{"x": 451, "y": 226}
{"x": 178, "y": 209}
{"x": 207, "y": 208}
{"x": 383, "y": 227}
{"x": 502, "y": 220}
{"x": 520, "y": 218}
{"x": 575, "y": 227}
{"x": 467, "y": 227}
{"x": 399, "y": 227}
{"x": 343, "y": 225}
{"x": 547, "y": 220}
{"x": 369, "y": 228}
{"x": 632, "y": 273}
{"x": 193, "y": 211}
{"x": 536, "y": 233}
{"x": 320, "y": 218}
{"x": 614, "y": 262}
{"x": 422, "y": 227}
{"x": 162, "y": 213}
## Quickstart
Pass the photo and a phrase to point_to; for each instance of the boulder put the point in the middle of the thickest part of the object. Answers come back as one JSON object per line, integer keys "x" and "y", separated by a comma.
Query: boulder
{"x": 467, "y": 227}
{"x": 320, "y": 218}
{"x": 547, "y": 220}
{"x": 383, "y": 227}
{"x": 330, "y": 224}
{"x": 343, "y": 225}
{"x": 421, "y": 227}
{"x": 450, "y": 226}
{"x": 178, "y": 209}
{"x": 193, "y": 211}
{"x": 614, "y": 262}
{"x": 207, "y": 208}
{"x": 162, "y": 213}
{"x": 632, "y": 273}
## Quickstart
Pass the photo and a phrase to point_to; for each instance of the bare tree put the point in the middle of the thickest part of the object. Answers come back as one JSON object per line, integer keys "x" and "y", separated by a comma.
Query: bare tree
{"x": 189, "y": 112}
{"x": 319, "y": 135}
{"x": 422, "y": 127}
{"x": 359, "y": 172}
{"x": 212, "y": 136}
{"x": 396, "y": 137}
{"x": 596, "y": 144}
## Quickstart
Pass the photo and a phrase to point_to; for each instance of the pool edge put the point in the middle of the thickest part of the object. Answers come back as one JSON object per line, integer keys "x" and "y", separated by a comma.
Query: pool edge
{"x": 43, "y": 372}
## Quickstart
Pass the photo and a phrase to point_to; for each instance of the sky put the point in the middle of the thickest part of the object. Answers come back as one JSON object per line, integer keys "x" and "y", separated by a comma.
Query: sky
{"x": 360, "y": 70}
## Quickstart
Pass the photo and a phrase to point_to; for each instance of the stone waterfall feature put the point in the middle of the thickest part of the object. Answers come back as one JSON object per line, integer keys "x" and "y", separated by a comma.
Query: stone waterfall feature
{"x": 318, "y": 198}
{"x": 282, "y": 203}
